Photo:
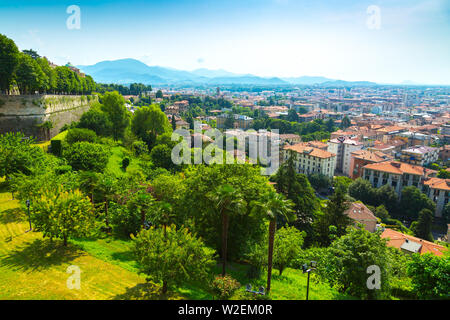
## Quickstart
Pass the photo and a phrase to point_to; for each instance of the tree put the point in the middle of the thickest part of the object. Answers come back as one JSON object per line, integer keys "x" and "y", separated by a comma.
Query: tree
{"x": 297, "y": 188}
{"x": 288, "y": 244}
{"x": 173, "y": 257}
{"x": 130, "y": 214}
{"x": 114, "y": 106}
{"x": 430, "y": 276}
{"x": 96, "y": 120}
{"x": 87, "y": 156}
{"x": 382, "y": 213}
{"x": 62, "y": 214}
{"x": 200, "y": 206}
{"x": 87, "y": 181}
{"x": 292, "y": 115}
{"x": 18, "y": 155}
{"x": 345, "y": 122}
{"x": 174, "y": 123}
{"x": 161, "y": 157}
{"x": 29, "y": 75}
{"x": 272, "y": 206}
{"x": 386, "y": 195}
{"x": 422, "y": 227}
{"x": 349, "y": 258}
{"x": 319, "y": 181}
{"x": 413, "y": 201}
{"x": 148, "y": 122}
{"x": 159, "y": 94}
{"x": 334, "y": 215}
{"x": 33, "y": 54}
{"x": 228, "y": 202}
{"x": 9, "y": 58}
{"x": 362, "y": 190}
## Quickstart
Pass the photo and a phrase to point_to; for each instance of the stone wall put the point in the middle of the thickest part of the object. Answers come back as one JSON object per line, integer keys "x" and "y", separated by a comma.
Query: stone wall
{"x": 25, "y": 112}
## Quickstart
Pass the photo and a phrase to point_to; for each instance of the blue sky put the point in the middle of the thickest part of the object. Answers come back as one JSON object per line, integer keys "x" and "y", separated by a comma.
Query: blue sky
{"x": 264, "y": 37}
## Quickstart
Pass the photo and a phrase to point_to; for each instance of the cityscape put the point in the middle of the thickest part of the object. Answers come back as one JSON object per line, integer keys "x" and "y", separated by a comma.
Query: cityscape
{"x": 124, "y": 179}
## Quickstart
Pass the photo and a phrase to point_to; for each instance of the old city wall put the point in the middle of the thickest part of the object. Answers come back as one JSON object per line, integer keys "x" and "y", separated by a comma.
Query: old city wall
{"x": 25, "y": 112}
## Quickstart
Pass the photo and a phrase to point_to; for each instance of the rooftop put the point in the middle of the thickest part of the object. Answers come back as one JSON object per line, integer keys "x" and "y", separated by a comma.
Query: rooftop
{"x": 399, "y": 168}
{"x": 410, "y": 243}
{"x": 314, "y": 152}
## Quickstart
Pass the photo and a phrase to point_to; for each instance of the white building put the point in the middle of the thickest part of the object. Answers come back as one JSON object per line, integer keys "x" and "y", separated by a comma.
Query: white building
{"x": 311, "y": 160}
{"x": 343, "y": 148}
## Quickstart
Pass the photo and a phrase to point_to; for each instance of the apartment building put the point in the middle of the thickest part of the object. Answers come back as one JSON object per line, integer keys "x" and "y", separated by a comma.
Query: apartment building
{"x": 361, "y": 158}
{"x": 342, "y": 148}
{"x": 311, "y": 160}
{"x": 239, "y": 121}
{"x": 438, "y": 190}
{"x": 420, "y": 155}
{"x": 396, "y": 174}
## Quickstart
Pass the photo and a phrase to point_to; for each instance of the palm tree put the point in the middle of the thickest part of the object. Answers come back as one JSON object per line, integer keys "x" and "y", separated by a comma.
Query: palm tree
{"x": 273, "y": 206}
{"x": 228, "y": 201}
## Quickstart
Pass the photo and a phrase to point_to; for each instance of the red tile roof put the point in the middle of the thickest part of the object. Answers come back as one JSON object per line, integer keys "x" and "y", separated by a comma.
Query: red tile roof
{"x": 396, "y": 239}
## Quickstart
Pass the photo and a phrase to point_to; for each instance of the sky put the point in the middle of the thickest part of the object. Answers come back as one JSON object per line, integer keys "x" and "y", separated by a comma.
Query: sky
{"x": 388, "y": 41}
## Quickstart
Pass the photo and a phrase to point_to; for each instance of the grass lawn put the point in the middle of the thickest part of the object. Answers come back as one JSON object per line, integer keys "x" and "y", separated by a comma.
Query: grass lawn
{"x": 291, "y": 285}
{"x": 115, "y": 161}
{"x": 35, "y": 268}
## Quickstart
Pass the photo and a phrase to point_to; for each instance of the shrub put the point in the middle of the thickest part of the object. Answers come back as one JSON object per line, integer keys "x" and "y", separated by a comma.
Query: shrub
{"x": 56, "y": 147}
{"x": 224, "y": 287}
{"x": 78, "y": 135}
{"x": 87, "y": 156}
{"x": 125, "y": 163}
{"x": 139, "y": 147}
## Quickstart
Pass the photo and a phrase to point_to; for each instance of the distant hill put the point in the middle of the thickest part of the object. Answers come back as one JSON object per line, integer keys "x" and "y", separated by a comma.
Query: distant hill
{"x": 126, "y": 71}
{"x": 307, "y": 80}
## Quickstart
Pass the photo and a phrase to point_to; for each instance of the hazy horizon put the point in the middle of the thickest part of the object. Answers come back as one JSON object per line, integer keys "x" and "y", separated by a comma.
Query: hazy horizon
{"x": 345, "y": 40}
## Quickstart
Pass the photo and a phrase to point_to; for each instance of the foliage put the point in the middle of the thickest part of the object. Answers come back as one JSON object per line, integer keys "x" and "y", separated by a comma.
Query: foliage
{"x": 62, "y": 214}
{"x": 78, "y": 135}
{"x": 113, "y": 104}
{"x": 9, "y": 58}
{"x": 129, "y": 215}
{"x": 18, "y": 155}
{"x": 333, "y": 215}
{"x": 87, "y": 156}
{"x": 297, "y": 188}
{"x": 201, "y": 208}
{"x": 96, "y": 120}
{"x": 319, "y": 181}
{"x": 148, "y": 122}
{"x": 430, "y": 276}
{"x": 348, "y": 259}
{"x": 173, "y": 256}
{"x": 413, "y": 201}
{"x": 422, "y": 227}
{"x": 382, "y": 213}
{"x": 224, "y": 287}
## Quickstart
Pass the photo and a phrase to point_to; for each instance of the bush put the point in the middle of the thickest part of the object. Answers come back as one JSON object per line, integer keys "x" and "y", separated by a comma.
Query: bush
{"x": 224, "y": 287}
{"x": 139, "y": 147}
{"x": 125, "y": 163}
{"x": 56, "y": 147}
{"x": 87, "y": 156}
{"x": 78, "y": 135}
{"x": 96, "y": 120}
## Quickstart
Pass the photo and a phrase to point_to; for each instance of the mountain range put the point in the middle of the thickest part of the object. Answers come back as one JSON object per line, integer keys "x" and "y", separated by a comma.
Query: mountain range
{"x": 126, "y": 71}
